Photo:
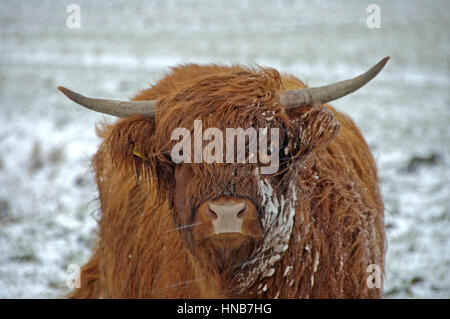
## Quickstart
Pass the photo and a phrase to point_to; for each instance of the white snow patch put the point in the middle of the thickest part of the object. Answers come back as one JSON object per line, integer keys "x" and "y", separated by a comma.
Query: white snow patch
{"x": 269, "y": 272}
{"x": 277, "y": 223}
{"x": 287, "y": 271}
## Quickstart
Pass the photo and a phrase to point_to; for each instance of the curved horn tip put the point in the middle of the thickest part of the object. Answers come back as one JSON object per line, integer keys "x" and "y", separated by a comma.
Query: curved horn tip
{"x": 64, "y": 90}
{"x": 331, "y": 92}
{"x": 112, "y": 107}
{"x": 379, "y": 66}
{"x": 384, "y": 60}
{"x": 71, "y": 95}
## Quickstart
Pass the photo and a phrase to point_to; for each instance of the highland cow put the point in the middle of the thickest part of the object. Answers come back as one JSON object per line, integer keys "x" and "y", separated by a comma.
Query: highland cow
{"x": 312, "y": 229}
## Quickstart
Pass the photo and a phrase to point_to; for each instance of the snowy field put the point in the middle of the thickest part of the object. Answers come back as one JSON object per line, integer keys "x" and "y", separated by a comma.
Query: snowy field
{"x": 48, "y": 206}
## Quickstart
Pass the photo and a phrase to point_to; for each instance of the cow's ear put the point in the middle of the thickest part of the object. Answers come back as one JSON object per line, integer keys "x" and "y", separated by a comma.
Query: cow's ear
{"x": 129, "y": 145}
{"x": 316, "y": 128}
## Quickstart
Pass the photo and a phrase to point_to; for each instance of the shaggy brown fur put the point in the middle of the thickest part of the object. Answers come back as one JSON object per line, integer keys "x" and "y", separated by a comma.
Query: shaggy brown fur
{"x": 148, "y": 243}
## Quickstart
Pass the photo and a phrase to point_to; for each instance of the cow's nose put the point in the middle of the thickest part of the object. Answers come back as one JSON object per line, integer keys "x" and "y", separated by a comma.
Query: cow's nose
{"x": 228, "y": 216}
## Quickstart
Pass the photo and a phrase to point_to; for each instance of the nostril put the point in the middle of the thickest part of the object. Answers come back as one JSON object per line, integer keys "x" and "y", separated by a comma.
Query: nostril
{"x": 242, "y": 212}
{"x": 211, "y": 214}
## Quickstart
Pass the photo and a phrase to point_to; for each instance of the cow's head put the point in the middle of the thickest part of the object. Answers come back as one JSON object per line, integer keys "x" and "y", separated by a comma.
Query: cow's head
{"x": 228, "y": 211}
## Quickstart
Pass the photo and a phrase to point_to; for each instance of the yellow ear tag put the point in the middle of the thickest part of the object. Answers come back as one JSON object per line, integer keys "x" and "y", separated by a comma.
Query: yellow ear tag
{"x": 136, "y": 152}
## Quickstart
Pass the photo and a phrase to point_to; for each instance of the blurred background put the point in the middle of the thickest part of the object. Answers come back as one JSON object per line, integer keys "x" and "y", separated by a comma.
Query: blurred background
{"x": 48, "y": 206}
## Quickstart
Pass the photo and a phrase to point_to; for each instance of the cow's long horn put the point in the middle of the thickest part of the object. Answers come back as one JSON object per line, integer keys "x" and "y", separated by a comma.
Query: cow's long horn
{"x": 112, "y": 107}
{"x": 323, "y": 94}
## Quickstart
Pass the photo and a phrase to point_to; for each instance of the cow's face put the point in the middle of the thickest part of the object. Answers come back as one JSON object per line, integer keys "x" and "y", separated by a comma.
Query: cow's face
{"x": 236, "y": 204}
{"x": 219, "y": 207}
